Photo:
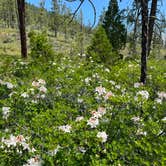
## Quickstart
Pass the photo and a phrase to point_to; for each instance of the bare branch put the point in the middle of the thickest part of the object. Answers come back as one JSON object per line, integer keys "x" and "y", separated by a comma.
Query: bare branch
{"x": 74, "y": 14}
{"x": 94, "y": 10}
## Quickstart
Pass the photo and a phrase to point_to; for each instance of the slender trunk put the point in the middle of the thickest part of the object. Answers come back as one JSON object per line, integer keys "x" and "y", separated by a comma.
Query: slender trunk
{"x": 151, "y": 23}
{"x": 55, "y": 32}
{"x": 56, "y": 16}
{"x": 134, "y": 49}
{"x": 144, "y": 8}
{"x": 82, "y": 37}
{"x": 21, "y": 14}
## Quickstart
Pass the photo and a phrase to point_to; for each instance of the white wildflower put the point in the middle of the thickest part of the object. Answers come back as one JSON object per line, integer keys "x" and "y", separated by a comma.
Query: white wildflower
{"x": 108, "y": 95}
{"x": 130, "y": 65}
{"x": 164, "y": 119}
{"x": 101, "y": 90}
{"x": 96, "y": 114}
{"x": 112, "y": 82}
{"x": 137, "y": 84}
{"x": 20, "y": 138}
{"x": 82, "y": 149}
{"x": 25, "y": 95}
{"x": 141, "y": 132}
{"x": 12, "y": 141}
{"x": 93, "y": 122}
{"x": 43, "y": 89}
{"x": 101, "y": 110}
{"x": 158, "y": 101}
{"x": 23, "y": 63}
{"x": 162, "y": 95}
{"x": 87, "y": 80}
{"x": 54, "y": 152}
{"x": 1, "y": 82}
{"x": 9, "y": 85}
{"x": 5, "y": 112}
{"x": 34, "y": 101}
{"x": 117, "y": 86}
{"x": 41, "y": 81}
{"x": 35, "y": 84}
{"x": 12, "y": 93}
{"x": 96, "y": 75}
{"x": 32, "y": 150}
{"x": 102, "y": 135}
{"x": 80, "y": 100}
{"x": 107, "y": 70}
{"x": 65, "y": 128}
{"x": 35, "y": 161}
{"x": 43, "y": 96}
{"x": 136, "y": 119}
{"x": 79, "y": 118}
{"x": 144, "y": 94}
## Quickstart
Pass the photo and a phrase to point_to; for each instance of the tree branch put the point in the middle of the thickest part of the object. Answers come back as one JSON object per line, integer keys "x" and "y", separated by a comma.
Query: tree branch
{"x": 79, "y": 6}
{"x": 94, "y": 10}
{"x": 74, "y": 14}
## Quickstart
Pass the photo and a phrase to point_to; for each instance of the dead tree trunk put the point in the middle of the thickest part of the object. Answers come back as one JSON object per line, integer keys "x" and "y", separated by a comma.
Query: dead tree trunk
{"x": 151, "y": 23}
{"x": 144, "y": 44}
{"x": 21, "y": 15}
{"x": 134, "y": 49}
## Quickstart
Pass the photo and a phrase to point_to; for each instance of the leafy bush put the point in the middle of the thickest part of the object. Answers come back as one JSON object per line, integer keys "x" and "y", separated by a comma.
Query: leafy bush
{"x": 41, "y": 49}
{"x": 71, "y": 112}
{"x": 101, "y": 49}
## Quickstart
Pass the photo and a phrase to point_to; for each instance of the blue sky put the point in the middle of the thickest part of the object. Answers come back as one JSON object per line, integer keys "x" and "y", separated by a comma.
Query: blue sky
{"x": 99, "y": 4}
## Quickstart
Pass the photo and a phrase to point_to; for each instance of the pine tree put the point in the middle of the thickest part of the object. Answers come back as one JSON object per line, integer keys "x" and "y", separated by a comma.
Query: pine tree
{"x": 8, "y": 13}
{"x": 42, "y": 21}
{"x": 101, "y": 49}
{"x": 56, "y": 17}
{"x": 114, "y": 27}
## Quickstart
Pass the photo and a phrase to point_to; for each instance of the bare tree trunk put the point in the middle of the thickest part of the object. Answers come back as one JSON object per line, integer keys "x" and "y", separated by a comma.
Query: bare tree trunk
{"x": 56, "y": 16}
{"x": 82, "y": 37}
{"x": 55, "y": 32}
{"x": 134, "y": 49}
{"x": 151, "y": 23}
{"x": 144, "y": 45}
{"x": 21, "y": 14}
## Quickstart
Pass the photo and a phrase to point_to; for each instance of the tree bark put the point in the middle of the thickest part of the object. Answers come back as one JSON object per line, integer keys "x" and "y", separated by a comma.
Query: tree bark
{"x": 144, "y": 44}
{"x": 134, "y": 49}
{"x": 151, "y": 23}
{"x": 21, "y": 14}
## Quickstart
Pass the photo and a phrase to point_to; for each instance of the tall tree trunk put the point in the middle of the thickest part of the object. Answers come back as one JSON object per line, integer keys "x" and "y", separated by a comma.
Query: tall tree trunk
{"x": 144, "y": 8}
{"x": 21, "y": 14}
{"x": 151, "y": 23}
{"x": 134, "y": 42}
{"x": 56, "y": 16}
{"x": 55, "y": 32}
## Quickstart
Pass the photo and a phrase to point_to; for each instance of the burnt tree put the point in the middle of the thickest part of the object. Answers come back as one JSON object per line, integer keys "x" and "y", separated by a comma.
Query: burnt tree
{"x": 21, "y": 17}
{"x": 147, "y": 33}
{"x": 151, "y": 23}
{"x": 144, "y": 43}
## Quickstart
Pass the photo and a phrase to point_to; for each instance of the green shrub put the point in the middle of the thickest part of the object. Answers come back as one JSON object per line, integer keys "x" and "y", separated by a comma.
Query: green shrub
{"x": 41, "y": 49}
{"x": 101, "y": 49}
{"x": 51, "y": 112}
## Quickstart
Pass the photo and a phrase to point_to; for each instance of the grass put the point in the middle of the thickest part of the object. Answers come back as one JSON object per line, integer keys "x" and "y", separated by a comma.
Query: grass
{"x": 10, "y": 42}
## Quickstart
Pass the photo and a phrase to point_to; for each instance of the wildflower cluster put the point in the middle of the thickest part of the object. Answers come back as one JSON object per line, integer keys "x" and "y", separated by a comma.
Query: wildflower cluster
{"x": 16, "y": 141}
{"x": 81, "y": 112}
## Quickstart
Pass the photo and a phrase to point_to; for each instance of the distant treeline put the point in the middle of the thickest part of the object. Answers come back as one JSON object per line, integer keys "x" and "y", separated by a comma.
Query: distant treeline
{"x": 38, "y": 18}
